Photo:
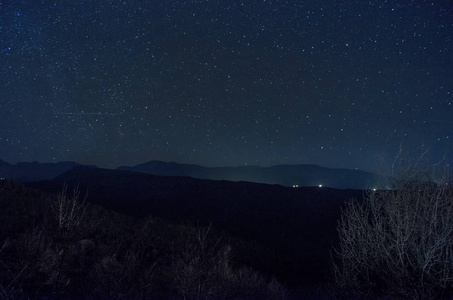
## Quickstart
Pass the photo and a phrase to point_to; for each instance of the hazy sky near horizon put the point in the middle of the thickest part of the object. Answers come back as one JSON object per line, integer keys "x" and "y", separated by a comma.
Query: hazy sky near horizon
{"x": 224, "y": 83}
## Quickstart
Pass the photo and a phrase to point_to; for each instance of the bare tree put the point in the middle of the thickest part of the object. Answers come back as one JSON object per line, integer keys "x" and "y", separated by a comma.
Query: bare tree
{"x": 399, "y": 241}
{"x": 12, "y": 289}
{"x": 202, "y": 270}
{"x": 69, "y": 210}
{"x": 199, "y": 269}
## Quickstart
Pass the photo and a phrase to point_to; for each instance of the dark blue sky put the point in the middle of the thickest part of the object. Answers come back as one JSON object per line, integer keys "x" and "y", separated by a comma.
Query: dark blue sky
{"x": 222, "y": 83}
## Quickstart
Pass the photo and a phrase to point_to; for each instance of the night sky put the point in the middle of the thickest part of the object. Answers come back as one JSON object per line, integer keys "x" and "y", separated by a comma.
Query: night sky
{"x": 225, "y": 82}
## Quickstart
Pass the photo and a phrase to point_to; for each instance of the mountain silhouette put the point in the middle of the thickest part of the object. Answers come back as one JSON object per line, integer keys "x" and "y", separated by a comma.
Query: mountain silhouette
{"x": 34, "y": 171}
{"x": 286, "y": 175}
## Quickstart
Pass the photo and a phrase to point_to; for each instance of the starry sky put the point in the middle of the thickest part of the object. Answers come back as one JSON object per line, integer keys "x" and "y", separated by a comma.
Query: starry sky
{"x": 225, "y": 83}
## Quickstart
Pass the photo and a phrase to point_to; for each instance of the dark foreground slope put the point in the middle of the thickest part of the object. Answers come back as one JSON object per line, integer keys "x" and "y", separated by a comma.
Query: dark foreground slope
{"x": 103, "y": 254}
{"x": 297, "y": 225}
{"x": 286, "y": 175}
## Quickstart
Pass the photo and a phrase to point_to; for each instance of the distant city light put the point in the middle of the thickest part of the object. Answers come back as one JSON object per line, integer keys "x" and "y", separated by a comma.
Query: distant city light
{"x": 320, "y": 185}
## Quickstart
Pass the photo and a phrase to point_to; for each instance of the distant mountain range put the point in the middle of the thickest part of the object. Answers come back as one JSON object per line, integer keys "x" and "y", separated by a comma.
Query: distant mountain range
{"x": 34, "y": 171}
{"x": 286, "y": 175}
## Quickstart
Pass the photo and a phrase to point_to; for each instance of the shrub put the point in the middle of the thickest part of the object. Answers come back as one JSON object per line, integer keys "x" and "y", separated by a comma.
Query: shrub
{"x": 398, "y": 241}
{"x": 69, "y": 210}
{"x": 11, "y": 289}
{"x": 202, "y": 270}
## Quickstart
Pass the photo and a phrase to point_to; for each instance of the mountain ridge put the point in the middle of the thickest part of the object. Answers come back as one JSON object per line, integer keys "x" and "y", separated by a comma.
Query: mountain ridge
{"x": 286, "y": 175}
{"x": 34, "y": 171}
{"x": 283, "y": 174}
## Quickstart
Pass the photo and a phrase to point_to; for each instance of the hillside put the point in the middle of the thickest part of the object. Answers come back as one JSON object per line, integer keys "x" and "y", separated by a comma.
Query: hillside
{"x": 286, "y": 175}
{"x": 102, "y": 254}
{"x": 298, "y": 225}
